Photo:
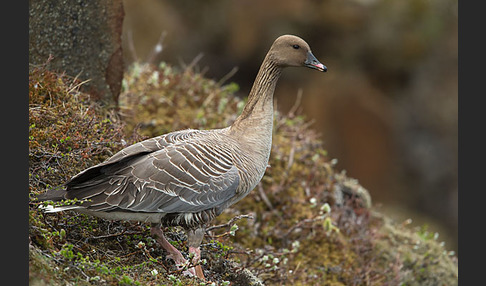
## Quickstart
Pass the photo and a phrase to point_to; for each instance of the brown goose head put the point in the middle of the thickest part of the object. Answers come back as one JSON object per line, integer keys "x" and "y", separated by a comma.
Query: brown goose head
{"x": 292, "y": 51}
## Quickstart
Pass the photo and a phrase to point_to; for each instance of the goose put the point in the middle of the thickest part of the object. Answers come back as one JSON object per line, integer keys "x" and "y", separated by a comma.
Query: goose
{"x": 188, "y": 177}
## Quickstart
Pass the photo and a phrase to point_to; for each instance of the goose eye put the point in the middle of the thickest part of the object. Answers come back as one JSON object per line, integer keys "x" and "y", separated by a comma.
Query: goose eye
{"x": 296, "y": 47}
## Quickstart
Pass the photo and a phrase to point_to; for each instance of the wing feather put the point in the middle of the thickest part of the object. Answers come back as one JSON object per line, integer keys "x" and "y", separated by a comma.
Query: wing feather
{"x": 171, "y": 174}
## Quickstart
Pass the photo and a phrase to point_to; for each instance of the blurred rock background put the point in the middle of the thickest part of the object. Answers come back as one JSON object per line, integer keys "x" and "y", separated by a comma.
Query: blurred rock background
{"x": 386, "y": 108}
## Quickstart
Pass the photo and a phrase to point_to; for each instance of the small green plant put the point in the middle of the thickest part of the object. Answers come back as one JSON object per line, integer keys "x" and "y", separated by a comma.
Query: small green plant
{"x": 126, "y": 280}
{"x": 175, "y": 281}
{"x": 219, "y": 249}
{"x": 233, "y": 230}
{"x": 68, "y": 252}
{"x": 424, "y": 233}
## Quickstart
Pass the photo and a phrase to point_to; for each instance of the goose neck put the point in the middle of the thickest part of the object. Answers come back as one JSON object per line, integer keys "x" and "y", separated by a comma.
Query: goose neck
{"x": 259, "y": 107}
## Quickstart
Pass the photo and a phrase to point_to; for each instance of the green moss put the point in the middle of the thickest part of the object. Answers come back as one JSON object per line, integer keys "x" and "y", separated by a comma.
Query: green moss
{"x": 177, "y": 100}
{"x": 422, "y": 259}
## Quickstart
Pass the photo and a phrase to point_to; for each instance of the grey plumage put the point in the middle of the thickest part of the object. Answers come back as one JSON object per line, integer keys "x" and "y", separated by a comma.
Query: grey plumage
{"x": 188, "y": 177}
{"x": 190, "y": 171}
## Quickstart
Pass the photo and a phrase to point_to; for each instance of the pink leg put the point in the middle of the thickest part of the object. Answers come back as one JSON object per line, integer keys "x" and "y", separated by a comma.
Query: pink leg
{"x": 195, "y": 259}
{"x": 175, "y": 254}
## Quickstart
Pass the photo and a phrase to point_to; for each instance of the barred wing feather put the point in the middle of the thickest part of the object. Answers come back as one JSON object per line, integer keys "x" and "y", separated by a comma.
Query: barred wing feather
{"x": 178, "y": 176}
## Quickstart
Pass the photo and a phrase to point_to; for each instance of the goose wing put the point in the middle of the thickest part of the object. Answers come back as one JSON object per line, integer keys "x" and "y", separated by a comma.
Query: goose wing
{"x": 162, "y": 175}
{"x": 133, "y": 151}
